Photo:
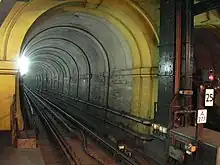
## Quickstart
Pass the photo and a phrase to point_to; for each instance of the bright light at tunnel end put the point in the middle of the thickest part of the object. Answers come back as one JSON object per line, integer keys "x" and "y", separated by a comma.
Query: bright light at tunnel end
{"x": 23, "y": 65}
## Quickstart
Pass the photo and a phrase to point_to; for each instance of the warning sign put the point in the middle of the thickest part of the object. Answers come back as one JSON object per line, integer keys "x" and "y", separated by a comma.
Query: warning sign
{"x": 202, "y": 116}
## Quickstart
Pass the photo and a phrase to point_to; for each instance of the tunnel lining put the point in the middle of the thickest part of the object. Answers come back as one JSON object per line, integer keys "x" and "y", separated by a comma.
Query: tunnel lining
{"x": 57, "y": 48}
{"x": 67, "y": 69}
{"x": 107, "y": 61}
{"x": 143, "y": 76}
{"x": 32, "y": 42}
{"x": 52, "y": 61}
{"x": 126, "y": 82}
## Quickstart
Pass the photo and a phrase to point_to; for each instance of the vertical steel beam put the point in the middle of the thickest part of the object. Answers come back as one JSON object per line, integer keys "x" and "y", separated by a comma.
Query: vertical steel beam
{"x": 166, "y": 60}
{"x": 176, "y": 49}
{"x": 188, "y": 57}
{"x": 200, "y": 105}
{"x": 189, "y": 28}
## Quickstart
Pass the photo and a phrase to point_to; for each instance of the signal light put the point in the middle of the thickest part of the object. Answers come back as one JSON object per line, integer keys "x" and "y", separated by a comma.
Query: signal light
{"x": 190, "y": 148}
{"x": 211, "y": 75}
{"x": 193, "y": 149}
{"x": 207, "y": 75}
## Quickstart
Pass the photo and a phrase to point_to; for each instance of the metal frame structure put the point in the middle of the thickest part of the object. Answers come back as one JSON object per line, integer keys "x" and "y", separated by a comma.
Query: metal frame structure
{"x": 176, "y": 66}
{"x": 176, "y": 57}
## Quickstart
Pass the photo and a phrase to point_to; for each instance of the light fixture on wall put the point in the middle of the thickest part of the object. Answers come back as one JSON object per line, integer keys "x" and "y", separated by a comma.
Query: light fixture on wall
{"x": 23, "y": 65}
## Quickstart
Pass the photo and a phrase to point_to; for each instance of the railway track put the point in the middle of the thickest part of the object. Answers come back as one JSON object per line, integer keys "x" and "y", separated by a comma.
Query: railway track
{"x": 54, "y": 116}
{"x": 139, "y": 156}
{"x": 49, "y": 135}
{"x": 63, "y": 134}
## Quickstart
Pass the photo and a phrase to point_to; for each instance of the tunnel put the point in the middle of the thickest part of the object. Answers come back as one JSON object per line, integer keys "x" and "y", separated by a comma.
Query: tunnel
{"x": 100, "y": 59}
{"x": 110, "y": 79}
{"x": 206, "y": 50}
{"x": 116, "y": 76}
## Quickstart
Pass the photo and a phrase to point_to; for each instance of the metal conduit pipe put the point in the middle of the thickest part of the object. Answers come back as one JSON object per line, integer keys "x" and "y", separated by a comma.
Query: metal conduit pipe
{"x": 122, "y": 114}
{"x": 119, "y": 125}
{"x": 189, "y": 55}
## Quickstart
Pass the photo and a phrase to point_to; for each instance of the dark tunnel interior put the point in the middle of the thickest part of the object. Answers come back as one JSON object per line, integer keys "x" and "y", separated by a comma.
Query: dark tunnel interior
{"x": 81, "y": 56}
{"x": 206, "y": 50}
{"x": 86, "y": 57}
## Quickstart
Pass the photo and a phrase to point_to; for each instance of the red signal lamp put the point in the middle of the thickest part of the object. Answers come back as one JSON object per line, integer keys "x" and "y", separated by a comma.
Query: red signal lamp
{"x": 211, "y": 77}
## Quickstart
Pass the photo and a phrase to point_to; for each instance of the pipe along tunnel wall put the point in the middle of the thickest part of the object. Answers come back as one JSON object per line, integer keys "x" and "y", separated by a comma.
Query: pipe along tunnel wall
{"x": 95, "y": 58}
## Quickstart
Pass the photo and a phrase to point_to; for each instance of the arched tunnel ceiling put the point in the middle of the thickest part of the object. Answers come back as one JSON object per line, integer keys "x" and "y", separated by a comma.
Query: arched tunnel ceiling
{"x": 79, "y": 47}
{"x": 83, "y": 52}
{"x": 90, "y": 39}
{"x": 86, "y": 56}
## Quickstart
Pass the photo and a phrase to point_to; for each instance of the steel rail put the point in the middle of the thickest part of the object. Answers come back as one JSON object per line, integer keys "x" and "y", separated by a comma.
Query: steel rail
{"x": 52, "y": 128}
{"x": 71, "y": 130}
{"x": 119, "y": 125}
{"x": 113, "y": 149}
{"x": 115, "y": 112}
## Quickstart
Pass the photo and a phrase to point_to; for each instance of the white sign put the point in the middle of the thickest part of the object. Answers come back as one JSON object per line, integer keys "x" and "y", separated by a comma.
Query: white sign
{"x": 202, "y": 116}
{"x": 209, "y": 97}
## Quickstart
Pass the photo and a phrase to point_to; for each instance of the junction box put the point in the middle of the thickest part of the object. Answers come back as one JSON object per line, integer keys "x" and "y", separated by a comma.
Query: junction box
{"x": 207, "y": 152}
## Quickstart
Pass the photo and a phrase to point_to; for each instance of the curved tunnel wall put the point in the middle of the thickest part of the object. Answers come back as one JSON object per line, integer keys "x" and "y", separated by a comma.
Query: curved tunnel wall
{"x": 109, "y": 62}
{"x": 89, "y": 56}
